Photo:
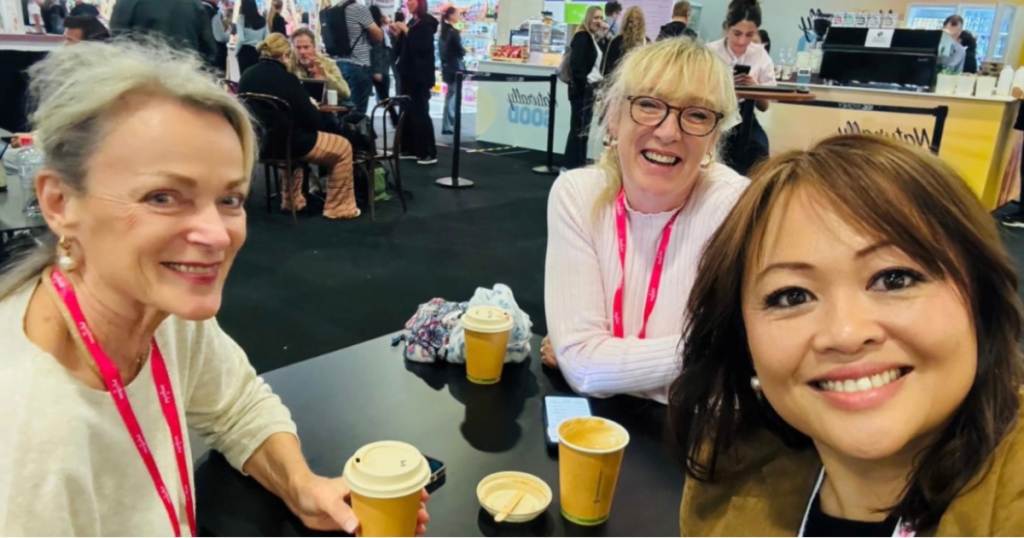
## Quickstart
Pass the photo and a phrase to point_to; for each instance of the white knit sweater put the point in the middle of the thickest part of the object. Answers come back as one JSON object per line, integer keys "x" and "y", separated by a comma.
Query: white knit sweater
{"x": 583, "y": 271}
{"x": 68, "y": 466}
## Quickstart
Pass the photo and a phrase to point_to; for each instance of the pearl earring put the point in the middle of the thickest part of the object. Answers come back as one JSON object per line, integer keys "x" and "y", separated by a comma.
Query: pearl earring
{"x": 65, "y": 261}
{"x": 707, "y": 161}
{"x": 755, "y": 384}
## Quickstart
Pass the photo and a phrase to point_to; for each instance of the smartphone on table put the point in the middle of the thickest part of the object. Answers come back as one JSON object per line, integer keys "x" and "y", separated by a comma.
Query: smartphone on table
{"x": 558, "y": 409}
{"x": 438, "y": 472}
{"x": 740, "y": 69}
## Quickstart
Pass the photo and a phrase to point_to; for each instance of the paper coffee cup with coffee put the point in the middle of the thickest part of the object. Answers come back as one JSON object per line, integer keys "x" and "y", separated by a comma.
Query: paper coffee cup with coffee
{"x": 487, "y": 330}
{"x": 386, "y": 479}
{"x": 332, "y": 97}
{"x": 590, "y": 451}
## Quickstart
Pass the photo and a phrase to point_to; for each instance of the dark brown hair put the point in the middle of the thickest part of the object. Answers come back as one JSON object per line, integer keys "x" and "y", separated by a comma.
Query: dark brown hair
{"x": 682, "y": 9}
{"x": 304, "y": 32}
{"x": 91, "y": 27}
{"x": 743, "y": 10}
{"x": 613, "y": 7}
{"x": 923, "y": 207}
{"x": 953, "y": 20}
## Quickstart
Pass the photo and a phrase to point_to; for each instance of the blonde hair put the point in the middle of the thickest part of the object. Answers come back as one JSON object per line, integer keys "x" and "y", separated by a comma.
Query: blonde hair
{"x": 80, "y": 90}
{"x": 585, "y": 27}
{"x": 634, "y": 29}
{"x": 272, "y": 12}
{"x": 699, "y": 77}
{"x": 275, "y": 46}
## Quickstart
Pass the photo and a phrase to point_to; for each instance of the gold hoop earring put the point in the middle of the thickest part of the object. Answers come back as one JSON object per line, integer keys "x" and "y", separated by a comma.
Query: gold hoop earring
{"x": 65, "y": 260}
{"x": 707, "y": 161}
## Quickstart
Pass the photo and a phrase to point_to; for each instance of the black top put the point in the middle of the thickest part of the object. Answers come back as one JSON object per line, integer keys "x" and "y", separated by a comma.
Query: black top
{"x": 676, "y": 29}
{"x": 416, "y": 54}
{"x": 450, "y": 47}
{"x": 821, "y": 524}
{"x": 85, "y": 9}
{"x": 614, "y": 55}
{"x": 582, "y": 57}
{"x": 279, "y": 26}
{"x": 970, "y": 43}
{"x": 53, "y": 19}
{"x": 183, "y": 22}
{"x": 270, "y": 77}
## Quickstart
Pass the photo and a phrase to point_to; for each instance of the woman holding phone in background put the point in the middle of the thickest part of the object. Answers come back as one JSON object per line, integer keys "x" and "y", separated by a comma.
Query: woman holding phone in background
{"x": 752, "y": 66}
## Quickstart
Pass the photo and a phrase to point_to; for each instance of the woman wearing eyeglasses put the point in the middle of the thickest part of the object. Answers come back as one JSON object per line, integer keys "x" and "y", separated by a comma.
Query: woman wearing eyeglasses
{"x": 625, "y": 236}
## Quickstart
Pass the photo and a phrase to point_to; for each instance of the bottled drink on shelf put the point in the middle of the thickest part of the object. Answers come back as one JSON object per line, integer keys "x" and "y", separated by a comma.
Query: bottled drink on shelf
{"x": 28, "y": 162}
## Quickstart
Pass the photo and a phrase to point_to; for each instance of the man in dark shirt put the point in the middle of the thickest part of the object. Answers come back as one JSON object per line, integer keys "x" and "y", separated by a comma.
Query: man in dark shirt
{"x": 78, "y": 28}
{"x": 182, "y": 22}
{"x": 679, "y": 27}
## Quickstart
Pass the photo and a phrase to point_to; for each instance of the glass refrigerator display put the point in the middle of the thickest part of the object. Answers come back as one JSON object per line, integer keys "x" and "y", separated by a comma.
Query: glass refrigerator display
{"x": 1004, "y": 31}
{"x": 548, "y": 38}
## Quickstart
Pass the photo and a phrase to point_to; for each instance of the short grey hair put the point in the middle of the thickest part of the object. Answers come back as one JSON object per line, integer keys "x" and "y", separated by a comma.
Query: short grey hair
{"x": 78, "y": 89}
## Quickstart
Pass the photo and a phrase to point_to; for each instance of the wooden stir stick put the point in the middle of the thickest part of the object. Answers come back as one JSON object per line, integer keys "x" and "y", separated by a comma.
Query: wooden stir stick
{"x": 509, "y": 507}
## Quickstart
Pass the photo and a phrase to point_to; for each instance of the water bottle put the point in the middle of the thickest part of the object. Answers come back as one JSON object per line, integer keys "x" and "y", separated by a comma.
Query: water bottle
{"x": 29, "y": 161}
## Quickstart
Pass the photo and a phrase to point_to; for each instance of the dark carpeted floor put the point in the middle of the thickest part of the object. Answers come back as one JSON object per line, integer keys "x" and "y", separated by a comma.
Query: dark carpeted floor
{"x": 297, "y": 292}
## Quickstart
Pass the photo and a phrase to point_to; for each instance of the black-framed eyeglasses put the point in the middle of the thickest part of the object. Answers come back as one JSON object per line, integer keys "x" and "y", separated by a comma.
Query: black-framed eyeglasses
{"x": 652, "y": 112}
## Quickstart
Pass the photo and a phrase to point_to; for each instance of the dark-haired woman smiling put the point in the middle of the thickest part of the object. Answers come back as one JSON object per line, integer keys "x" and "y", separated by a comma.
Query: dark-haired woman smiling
{"x": 851, "y": 364}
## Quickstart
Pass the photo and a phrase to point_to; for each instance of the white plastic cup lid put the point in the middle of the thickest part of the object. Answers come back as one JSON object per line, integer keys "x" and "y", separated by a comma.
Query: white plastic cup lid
{"x": 487, "y": 319}
{"x": 387, "y": 470}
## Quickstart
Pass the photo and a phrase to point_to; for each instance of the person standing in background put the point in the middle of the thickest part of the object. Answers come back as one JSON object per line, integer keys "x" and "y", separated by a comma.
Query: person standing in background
{"x": 352, "y": 19}
{"x": 740, "y": 53}
{"x": 220, "y": 35}
{"x": 585, "y": 63}
{"x": 680, "y": 25}
{"x": 35, "y": 24}
{"x": 275, "y": 20}
{"x": 970, "y": 44}
{"x": 54, "y": 14}
{"x": 762, "y": 38}
{"x": 182, "y": 22}
{"x": 957, "y": 57}
{"x": 394, "y": 34}
{"x": 380, "y": 60}
{"x": 452, "y": 54}
{"x": 634, "y": 34}
{"x": 416, "y": 69}
{"x": 252, "y": 30}
{"x": 612, "y": 12}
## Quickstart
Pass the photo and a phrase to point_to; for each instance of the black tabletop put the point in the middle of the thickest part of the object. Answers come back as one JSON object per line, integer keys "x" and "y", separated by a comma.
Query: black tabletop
{"x": 368, "y": 393}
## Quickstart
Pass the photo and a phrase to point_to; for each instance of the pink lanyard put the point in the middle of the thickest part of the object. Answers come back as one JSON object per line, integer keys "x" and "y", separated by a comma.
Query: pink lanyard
{"x": 659, "y": 266}
{"x": 114, "y": 384}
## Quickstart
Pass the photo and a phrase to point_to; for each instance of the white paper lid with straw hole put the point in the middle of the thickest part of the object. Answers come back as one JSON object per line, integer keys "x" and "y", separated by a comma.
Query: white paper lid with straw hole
{"x": 487, "y": 319}
{"x": 387, "y": 470}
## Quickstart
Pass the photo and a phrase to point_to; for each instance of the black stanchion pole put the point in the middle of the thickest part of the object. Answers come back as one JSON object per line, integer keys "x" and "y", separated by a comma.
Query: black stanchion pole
{"x": 455, "y": 182}
{"x": 549, "y": 168}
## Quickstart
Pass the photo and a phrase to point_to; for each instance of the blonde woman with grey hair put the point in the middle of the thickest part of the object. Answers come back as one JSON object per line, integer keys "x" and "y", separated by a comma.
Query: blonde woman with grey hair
{"x": 110, "y": 345}
{"x": 625, "y": 236}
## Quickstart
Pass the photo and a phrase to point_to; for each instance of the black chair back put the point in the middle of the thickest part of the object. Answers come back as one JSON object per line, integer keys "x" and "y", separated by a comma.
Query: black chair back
{"x": 274, "y": 124}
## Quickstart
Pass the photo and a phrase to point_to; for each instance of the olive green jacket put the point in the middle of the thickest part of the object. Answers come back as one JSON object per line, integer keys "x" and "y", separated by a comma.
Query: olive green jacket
{"x": 768, "y": 496}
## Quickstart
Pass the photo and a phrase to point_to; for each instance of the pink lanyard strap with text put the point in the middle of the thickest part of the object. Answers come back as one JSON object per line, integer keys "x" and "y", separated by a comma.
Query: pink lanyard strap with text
{"x": 114, "y": 384}
{"x": 659, "y": 266}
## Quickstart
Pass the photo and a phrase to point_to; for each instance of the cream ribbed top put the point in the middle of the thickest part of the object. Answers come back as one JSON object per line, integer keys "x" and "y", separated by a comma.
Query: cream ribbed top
{"x": 583, "y": 271}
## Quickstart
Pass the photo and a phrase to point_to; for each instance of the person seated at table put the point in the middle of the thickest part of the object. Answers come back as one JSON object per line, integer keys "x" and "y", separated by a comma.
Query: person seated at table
{"x": 738, "y": 50}
{"x": 313, "y": 65}
{"x": 78, "y": 28}
{"x": 111, "y": 348}
{"x": 657, "y": 193}
{"x": 272, "y": 76}
{"x": 850, "y": 366}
